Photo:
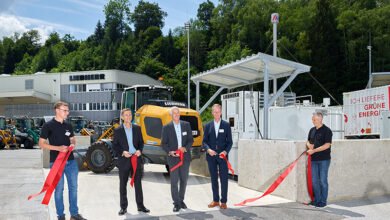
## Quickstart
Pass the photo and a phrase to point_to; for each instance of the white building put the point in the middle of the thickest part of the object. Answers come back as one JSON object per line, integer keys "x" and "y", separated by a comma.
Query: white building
{"x": 95, "y": 95}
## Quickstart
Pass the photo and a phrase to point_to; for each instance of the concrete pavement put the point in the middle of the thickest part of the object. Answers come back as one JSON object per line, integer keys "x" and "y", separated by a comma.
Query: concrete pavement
{"x": 21, "y": 175}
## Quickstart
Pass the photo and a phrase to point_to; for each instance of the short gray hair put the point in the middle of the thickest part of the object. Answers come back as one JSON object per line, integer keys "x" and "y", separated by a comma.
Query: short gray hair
{"x": 318, "y": 114}
{"x": 173, "y": 109}
{"x": 216, "y": 106}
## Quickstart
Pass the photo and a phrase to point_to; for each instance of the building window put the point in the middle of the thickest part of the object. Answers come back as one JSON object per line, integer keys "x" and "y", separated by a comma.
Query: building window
{"x": 77, "y": 88}
{"x": 98, "y": 106}
{"x": 86, "y": 77}
{"x": 29, "y": 84}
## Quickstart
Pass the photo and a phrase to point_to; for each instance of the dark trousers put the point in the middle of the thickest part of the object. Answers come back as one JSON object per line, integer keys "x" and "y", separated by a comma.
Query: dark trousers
{"x": 126, "y": 171}
{"x": 179, "y": 179}
{"x": 218, "y": 167}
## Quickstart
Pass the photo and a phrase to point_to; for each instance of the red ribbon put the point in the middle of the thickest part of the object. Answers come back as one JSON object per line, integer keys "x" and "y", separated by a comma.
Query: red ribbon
{"x": 133, "y": 161}
{"x": 223, "y": 156}
{"x": 54, "y": 176}
{"x": 280, "y": 179}
{"x": 309, "y": 179}
{"x": 181, "y": 156}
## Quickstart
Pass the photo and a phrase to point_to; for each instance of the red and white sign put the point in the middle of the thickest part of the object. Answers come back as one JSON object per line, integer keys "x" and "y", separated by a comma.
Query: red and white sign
{"x": 363, "y": 108}
{"x": 275, "y": 18}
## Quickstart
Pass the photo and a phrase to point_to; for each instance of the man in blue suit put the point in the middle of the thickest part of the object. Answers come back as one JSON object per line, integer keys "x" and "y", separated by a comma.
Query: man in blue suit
{"x": 217, "y": 140}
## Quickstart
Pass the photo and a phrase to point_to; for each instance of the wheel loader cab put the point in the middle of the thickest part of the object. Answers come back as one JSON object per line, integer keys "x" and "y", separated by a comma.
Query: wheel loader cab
{"x": 137, "y": 96}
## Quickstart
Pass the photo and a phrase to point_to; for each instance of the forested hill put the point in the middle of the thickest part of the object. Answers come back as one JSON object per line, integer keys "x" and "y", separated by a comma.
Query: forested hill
{"x": 330, "y": 35}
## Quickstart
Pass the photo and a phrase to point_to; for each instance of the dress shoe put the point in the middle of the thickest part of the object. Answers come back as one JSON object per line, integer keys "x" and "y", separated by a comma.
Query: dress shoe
{"x": 213, "y": 204}
{"x": 143, "y": 209}
{"x": 122, "y": 212}
{"x": 183, "y": 205}
{"x": 223, "y": 206}
{"x": 62, "y": 217}
{"x": 176, "y": 208}
{"x": 77, "y": 217}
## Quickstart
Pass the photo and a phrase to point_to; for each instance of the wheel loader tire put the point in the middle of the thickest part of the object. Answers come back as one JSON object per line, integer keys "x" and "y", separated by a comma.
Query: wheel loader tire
{"x": 28, "y": 143}
{"x": 2, "y": 145}
{"x": 100, "y": 157}
{"x": 18, "y": 142}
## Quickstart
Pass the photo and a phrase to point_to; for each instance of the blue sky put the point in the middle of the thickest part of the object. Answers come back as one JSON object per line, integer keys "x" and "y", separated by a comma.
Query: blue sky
{"x": 78, "y": 17}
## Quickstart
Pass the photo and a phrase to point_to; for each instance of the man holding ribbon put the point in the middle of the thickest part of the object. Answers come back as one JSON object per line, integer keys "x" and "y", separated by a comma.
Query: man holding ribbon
{"x": 128, "y": 144}
{"x": 318, "y": 144}
{"x": 177, "y": 142}
{"x": 60, "y": 136}
{"x": 217, "y": 141}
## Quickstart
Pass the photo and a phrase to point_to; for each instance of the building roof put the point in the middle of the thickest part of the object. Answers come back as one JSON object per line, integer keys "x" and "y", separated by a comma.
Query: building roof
{"x": 380, "y": 79}
{"x": 46, "y": 87}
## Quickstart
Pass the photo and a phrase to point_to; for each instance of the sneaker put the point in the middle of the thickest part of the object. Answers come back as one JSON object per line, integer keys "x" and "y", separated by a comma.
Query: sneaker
{"x": 77, "y": 217}
{"x": 62, "y": 217}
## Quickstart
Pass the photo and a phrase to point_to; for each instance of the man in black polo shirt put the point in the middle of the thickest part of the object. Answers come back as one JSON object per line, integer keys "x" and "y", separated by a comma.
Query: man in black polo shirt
{"x": 319, "y": 142}
{"x": 60, "y": 135}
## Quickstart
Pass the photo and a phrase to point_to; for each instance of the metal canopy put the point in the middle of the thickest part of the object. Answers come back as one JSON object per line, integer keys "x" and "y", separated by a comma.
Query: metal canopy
{"x": 379, "y": 79}
{"x": 250, "y": 70}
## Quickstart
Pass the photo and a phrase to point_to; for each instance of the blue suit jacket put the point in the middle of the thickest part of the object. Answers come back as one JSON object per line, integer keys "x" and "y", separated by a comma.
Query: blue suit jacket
{"x": 224, "y": 141}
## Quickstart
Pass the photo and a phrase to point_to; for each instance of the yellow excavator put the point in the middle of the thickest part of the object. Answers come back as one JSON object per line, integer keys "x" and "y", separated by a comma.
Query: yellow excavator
{"x": 150, "y": 105}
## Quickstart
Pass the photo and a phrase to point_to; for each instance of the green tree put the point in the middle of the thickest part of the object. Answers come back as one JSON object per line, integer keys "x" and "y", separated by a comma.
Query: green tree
{"x": 54, "y": 38}
{"x": 116, "y": 26}
{"x": 147, "y": 15}
{"x": 24, "y": 66}
{"x": 9, "y": 65}
{"x": 152, "y": 67}
{"x": 205, "y": 12}
{"x": 326, "y": 57}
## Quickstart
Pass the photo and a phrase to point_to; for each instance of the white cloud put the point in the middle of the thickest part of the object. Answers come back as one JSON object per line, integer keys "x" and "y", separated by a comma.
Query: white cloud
{"x": 88, "y": 4}
{"x": 9, "y": 24}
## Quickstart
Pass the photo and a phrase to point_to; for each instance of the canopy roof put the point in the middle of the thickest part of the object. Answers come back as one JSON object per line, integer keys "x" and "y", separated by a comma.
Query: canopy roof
{"x": 249, "y": 70}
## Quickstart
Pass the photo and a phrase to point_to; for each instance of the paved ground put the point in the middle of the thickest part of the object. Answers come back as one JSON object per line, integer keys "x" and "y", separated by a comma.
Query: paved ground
{"x": 21, "y": 175}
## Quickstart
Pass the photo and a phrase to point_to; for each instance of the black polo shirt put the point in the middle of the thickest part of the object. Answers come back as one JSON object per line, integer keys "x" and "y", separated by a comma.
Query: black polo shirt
{"x": 58, "y": 134}
{"x": 319, "y": 137}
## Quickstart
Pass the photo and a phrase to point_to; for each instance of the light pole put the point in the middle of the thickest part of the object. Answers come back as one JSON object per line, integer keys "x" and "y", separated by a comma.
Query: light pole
{"x": 187, "y": 27}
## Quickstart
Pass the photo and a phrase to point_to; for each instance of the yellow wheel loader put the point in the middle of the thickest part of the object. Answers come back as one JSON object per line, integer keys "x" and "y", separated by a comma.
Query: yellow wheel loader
{"x": 150, "y": 106}
{"x": 7, "y": 139}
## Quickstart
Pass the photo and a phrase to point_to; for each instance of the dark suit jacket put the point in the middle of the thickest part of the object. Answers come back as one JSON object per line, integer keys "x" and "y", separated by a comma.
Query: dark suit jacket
{"x": 120, "y": 143}
{"x": 169, "y": 139}
{"x": 224, "y": 141}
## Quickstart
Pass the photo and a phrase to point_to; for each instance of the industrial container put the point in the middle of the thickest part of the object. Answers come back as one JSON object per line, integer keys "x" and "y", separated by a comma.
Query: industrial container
{"x": 294, "y": 122}
{"x": 242, "y": 111}
{"x": 362, "y": 111}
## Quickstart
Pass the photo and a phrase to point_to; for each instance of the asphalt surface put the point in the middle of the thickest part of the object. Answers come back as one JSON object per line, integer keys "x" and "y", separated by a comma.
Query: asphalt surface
{"x": 22, "y": 174}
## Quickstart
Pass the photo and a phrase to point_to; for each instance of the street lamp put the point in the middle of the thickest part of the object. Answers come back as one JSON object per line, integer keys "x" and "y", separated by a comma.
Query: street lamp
{"x": 187, "y": 27}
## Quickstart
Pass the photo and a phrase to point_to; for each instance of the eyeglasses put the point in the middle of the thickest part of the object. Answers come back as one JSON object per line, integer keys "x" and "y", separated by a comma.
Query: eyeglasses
{"x": 65, "y": 110}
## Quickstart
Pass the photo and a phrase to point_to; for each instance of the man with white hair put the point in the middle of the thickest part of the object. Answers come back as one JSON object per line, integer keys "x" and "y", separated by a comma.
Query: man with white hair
{"x": 318, "y": 144}
{"x": 217, "y": 141}
{"x": 176, "y": 140}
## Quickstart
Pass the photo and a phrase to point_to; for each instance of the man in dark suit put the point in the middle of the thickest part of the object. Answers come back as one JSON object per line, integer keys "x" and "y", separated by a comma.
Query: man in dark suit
{"x": 128, "y": 142}
{"x": 217, "y": 140}
{"x": 177, "y": 135}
